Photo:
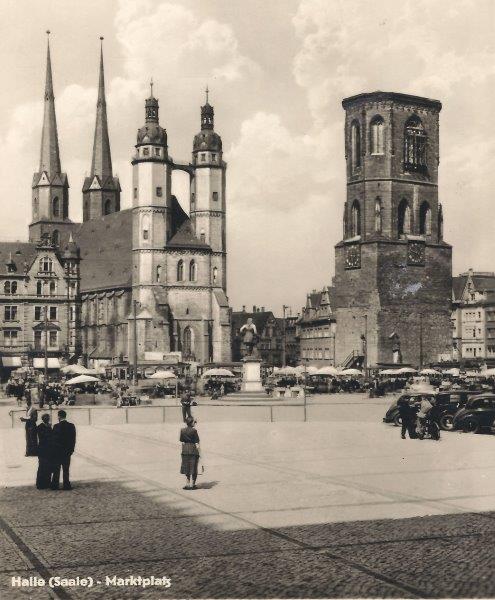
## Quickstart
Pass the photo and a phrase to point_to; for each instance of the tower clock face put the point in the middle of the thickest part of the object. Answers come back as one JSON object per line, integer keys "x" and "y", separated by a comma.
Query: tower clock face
{"x": 416, "y": 253}
{"x": 353, "y": 256}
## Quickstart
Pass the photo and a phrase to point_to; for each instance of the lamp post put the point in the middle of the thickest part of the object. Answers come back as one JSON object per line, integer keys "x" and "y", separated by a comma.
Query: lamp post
{"x": 46, "y": 345}
{"x": 135, "y": 361}
{"x": 284, "y": 339}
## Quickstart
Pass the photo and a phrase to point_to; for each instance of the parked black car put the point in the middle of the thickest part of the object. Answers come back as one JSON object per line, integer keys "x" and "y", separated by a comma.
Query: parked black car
{"x": 447, "y": 404}
{"x": 478, "y": 414}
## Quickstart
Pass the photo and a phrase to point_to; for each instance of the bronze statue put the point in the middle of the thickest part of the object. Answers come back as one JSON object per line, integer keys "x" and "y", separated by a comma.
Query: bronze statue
{"x": 249, "y": 336}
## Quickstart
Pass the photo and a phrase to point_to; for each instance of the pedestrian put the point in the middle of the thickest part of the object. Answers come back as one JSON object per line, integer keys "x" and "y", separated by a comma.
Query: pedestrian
{"x": 424, "y": 408}
{"x": 64, "y": 442}
{"x": 30, "y": 421}
{"x": 45, "y": 453}
{"x": 185, "y": 402}
{"x": 407, "y": 416}
{"x": 190, "y": 453}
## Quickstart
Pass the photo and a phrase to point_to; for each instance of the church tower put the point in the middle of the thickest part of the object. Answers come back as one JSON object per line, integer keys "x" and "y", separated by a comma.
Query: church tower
{"x": 101, "y": 190}
{"x": 50, "y": 195}
{"x": 393, "y": 270}
{"x": 207, "y": 202}
{"x": 151, "y": 181}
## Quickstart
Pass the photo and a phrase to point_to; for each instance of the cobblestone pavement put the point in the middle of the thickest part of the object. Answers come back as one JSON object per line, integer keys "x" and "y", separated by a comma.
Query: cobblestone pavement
{"x": 285, "y": 510}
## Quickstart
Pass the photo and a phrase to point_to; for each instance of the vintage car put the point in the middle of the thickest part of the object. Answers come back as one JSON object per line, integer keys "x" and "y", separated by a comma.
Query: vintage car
{"x": 447, "y": 403}
{"x": 478, "y": 414}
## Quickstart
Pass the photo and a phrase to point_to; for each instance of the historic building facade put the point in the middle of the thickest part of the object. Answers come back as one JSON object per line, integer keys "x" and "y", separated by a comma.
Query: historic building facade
{"x": 144, "y": 281}
{"x": 393, "y": 270}
{"x": 473, "y": 316}
{"x": 316, "y": 329}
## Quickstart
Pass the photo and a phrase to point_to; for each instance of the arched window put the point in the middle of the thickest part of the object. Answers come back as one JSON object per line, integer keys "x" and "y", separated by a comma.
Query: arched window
{"x": 180, "y": 270}
{"x": 53, "y": 288}
{"x": 425, "y": 219}
{"x": 403, "y": 218}
{"x": 65, "y": 208}
{"x": 202, "y": 236}
{"x": 55, "y": 237}
{"x": 39, "y": 288}
{"x": 344, "y": 223}
{"x": 378, "y": 215}
{"x": 6, "y": 287}
{"x": 414, "y": 145}
{"x": 56, "y": 207}
{"x": 35, "y": 207}
{"x": 215, "y": 274}
{"x": 46, "y": 264}
{"x": 146, "y": 227}
{"x": 440, "y": 223}
{"x": 188, "y": 342}
{"x": 107, "y": 207}
{"x": 377, "y": 133}
{"x": 355, "y": 219}
{"x": 193, "y": 271}
{"x": 158, "y": 273}
{"x": 355, "y": 145}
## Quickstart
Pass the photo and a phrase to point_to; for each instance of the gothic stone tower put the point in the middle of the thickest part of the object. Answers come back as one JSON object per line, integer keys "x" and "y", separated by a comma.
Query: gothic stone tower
{"x": 393, "y": 271}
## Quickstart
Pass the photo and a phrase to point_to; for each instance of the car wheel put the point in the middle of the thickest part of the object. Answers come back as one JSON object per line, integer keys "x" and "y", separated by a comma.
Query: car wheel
{"x": 397, "y": 420}
{"x": 471, "y": 426}
{"x": 446, "y": 422}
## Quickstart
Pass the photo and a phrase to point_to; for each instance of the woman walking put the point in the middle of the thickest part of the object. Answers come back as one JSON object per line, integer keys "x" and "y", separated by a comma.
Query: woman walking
{"x": 190, "y": 453}
{"x": 30, "y": 420}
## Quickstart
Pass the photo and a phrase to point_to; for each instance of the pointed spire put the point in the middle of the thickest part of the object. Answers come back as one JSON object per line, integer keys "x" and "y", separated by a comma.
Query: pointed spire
{"x": 49, "y": 157}
{"x": 101, "y": 164}
{"x": 207, "y": 91}
{"x": 207, "y": 113}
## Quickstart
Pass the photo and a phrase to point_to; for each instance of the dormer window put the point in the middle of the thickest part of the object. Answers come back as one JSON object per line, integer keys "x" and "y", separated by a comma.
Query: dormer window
{"x": 157, "y": 151}
{"x": 215, "y": 196}
{"x": 203, "y": 157}
{"x": 146, "y": 151}
{"x": 46, "y": 265}
{"x": 11, "y": 268}
{"x": 214, "y": 157}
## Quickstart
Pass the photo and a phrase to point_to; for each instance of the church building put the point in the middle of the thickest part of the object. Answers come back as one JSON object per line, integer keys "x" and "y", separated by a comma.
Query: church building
{"x": 393, "y": 269}
{"x": 148, "y": 280}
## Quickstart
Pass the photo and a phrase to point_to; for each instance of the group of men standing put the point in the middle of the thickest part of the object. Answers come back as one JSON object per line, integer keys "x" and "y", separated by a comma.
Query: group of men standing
{"x": 55, "y": 448}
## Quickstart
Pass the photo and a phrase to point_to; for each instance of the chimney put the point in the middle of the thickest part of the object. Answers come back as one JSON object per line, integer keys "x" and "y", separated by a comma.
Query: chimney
{"x": 262, "y": 309}
{"x": 254, "y": 308}
{"x": 243, "y": 308}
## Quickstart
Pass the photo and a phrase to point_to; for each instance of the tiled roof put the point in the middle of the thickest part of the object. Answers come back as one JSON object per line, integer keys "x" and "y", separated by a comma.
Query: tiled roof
{"x": 106, "y": 251}
{"x": 186, "y": 238}
{"x": 22, "y": 252}
{"x": 483, "y": 282}
{"x": 458, "y": 285}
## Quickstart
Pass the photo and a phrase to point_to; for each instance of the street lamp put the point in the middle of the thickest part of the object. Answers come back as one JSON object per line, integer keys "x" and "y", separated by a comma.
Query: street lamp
{"x": 284, "y": 343}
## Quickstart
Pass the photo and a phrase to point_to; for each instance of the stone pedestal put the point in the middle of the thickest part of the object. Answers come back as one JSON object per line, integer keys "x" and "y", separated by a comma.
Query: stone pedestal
{"x": 251, "y": 375}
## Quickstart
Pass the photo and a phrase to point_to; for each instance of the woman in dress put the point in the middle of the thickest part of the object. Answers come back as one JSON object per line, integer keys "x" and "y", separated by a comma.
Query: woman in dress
{"x": 190, "y": 453}
{"x": 30, "y": 420}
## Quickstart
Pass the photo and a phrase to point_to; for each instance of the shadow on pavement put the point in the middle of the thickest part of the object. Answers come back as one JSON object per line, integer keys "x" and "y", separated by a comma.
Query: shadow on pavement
{"x": 126, "y": 527}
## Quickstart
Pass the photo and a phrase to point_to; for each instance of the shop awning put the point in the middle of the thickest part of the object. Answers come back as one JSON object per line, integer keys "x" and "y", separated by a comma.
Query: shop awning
{"x": 11, "y": 361}
{"x": 53, "y": 363}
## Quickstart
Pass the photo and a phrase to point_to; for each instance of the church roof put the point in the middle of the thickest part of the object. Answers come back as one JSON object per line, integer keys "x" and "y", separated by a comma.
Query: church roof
{"x": 19, "y": 253}
{"x": 186, "y": 238}
{"x": 106, "y": 251}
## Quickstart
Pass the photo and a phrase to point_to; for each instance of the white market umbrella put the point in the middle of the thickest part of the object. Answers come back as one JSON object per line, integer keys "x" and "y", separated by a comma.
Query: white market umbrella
{"x": 389, "y": 372}
{"x": 406, "y": 371}
{"x": 473, "y": 374}
{"x": 350, "y": 372}
{"x": 163, "y": 375}
{"x": 311, "y": 370}
{"x": 327, "y": 371}
{"x": 82, "y": 379}
{"x": 75, "y": 370}
{"x": 218, "y": 372}
{"x": 488, "y": 373}
{"x": 287, "y": 371}
{"x": 429, "y": 372}
{"x": 454, "y": 371}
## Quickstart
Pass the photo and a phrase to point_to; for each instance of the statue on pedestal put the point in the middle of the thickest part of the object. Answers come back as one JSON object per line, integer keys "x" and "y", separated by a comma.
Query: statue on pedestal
{"x": 249, "y": 336}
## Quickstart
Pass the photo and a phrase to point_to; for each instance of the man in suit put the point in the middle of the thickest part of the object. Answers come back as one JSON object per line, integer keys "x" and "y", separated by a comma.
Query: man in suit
{"x": 45, "y": 453}
{"x": 64, "y": 438}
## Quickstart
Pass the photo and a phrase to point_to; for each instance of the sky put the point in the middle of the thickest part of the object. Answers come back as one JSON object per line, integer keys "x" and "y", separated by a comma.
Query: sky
{"x": 277, "y": 72}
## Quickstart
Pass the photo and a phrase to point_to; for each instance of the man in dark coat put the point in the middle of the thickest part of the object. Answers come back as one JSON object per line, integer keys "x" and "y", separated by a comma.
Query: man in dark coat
{"x": 186, "y": 401}
{"x": 64, "y": 438}
{"x": 45, "y": 453}
{"x": 407, "y": 414}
